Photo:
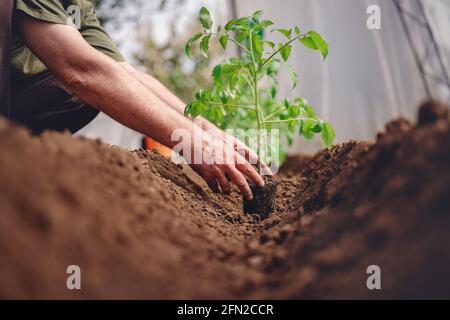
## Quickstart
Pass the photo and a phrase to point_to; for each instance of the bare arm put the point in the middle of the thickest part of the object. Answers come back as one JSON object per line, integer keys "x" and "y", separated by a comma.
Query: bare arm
{"x": 101, "y": 82}
{"x": 161, "y": 91}
{"x": 173, "y": 101}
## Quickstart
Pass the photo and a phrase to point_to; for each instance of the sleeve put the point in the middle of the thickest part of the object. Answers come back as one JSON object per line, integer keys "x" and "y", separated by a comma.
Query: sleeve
{"x": 46, "y": 10}
{"x": 95, "y": 35}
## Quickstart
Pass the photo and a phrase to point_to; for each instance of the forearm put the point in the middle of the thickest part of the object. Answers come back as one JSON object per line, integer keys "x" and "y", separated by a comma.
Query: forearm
{"x": 163, "y": 93}
{"x": 106, "y": 86}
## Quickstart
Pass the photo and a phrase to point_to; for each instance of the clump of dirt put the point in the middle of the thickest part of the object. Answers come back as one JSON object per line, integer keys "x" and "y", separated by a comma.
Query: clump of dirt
{"x": 263, "y": 202}
{"x": 140, "y": 226}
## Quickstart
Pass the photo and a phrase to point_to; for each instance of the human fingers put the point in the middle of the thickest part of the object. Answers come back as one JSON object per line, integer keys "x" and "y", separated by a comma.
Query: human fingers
{"x": 223, "y": 181}
{"x": 248, "y": 170}
{"x": 251, "y": 157}
{"x": 238, "y": 178}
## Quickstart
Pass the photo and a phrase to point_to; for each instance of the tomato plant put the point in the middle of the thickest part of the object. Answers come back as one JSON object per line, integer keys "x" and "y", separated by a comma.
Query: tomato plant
{"x": 237, "y": 99}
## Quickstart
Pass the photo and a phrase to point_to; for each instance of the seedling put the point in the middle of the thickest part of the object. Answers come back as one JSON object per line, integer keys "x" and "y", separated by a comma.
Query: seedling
{"x": 237, "y": 99}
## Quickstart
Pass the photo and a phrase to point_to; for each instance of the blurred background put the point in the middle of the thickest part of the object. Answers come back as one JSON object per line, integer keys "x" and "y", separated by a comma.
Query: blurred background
{"x": 369, "y": 78}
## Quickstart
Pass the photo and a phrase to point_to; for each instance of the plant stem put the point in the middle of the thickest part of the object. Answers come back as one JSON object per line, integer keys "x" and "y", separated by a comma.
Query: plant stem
{"x": 291, "y": 119}
{"x": 278, "y": 50}
{"x": 273, "y": 113}
{"x": 260, "y": 124}
{"x": 231, "y": 39}
{"x": 259, "y": 116}
{"x": 232, "y": 105}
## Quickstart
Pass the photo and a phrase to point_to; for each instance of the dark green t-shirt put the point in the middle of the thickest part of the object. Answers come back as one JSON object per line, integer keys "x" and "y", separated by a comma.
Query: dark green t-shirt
{"x": 25, "y": 64}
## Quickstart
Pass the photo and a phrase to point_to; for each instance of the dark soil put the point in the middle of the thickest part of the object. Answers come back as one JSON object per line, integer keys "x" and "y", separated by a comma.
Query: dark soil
{"x": 263, "y": 202}
{"x": 141, "y": 227}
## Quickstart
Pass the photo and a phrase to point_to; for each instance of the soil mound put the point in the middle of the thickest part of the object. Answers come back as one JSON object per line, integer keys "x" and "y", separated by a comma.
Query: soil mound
{"x": 140, "y": 226}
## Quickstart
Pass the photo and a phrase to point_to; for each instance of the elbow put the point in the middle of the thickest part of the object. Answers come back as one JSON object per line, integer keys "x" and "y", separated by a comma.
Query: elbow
{"x": 86, "y": 73}
{"x": 93, "y": 79}
{"x": 87, "y": 83}
{"x": 75, "y": 80}
{"x": 78, "y": 74}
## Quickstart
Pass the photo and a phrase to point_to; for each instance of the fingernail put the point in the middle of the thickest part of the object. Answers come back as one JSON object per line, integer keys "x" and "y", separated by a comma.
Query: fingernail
{"x": 249, "y": 197}
{"x": 261, "y": 183}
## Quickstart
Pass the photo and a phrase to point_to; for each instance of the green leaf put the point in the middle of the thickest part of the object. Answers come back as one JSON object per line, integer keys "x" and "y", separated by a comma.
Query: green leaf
{"x": 205, "y": 18}
{"x": 198, "y": 108}
{"x": 228, "y": 70}
{"x": 308, "y": 42}
{"x": 200, "y": 95}
{"x": 189, "y": 44}
{"x": 320, "y": 43}
{"x": 257, "y": 42}
{"x": 187, "y": 48}
{"x": 291, "y": 125}
{"x": 303, "y": 102}
{"x": 270, "y": 44}
{"x": 195, "y": 109}
{"x": 273, "y": 88}
{"x": 235, "y": 24}
{"x": 204, "y": 45}
{"x": 306, "y": 129}
{"x": 203, "y": 95}
{"x": 294, "y": 110}
{"x": 297, "y": 30}
{"x": 273, "y": 91}
{"x": 273, "y": 67}
{"x": 216, "y": 73}
{"x": 287, "y": 33}
{"x": 223, "y": 40}
{"x": 314, "y": 41}
{"x": 216, "y": 114}
{"x": 318, "y": 127}
{"x": 286, "y": 52}
{"x": 241, "y": 35}
{"x": 229, "y": 24}
{"x": 310, "y": 113}
{"x": 266, "y": 23}
{"x": 233, "y": 79}
{"x": 224, "y": 97}
{"x": 327, "y": 134}
{"x": 257, "y": 13}
{"x": 187, "y": 109}
{"x": 293, "y": 75}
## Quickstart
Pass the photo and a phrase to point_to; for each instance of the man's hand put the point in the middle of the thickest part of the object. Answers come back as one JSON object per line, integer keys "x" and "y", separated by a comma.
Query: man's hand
{"x": 221, "y": 163}
{"x": 238, "y": 146}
